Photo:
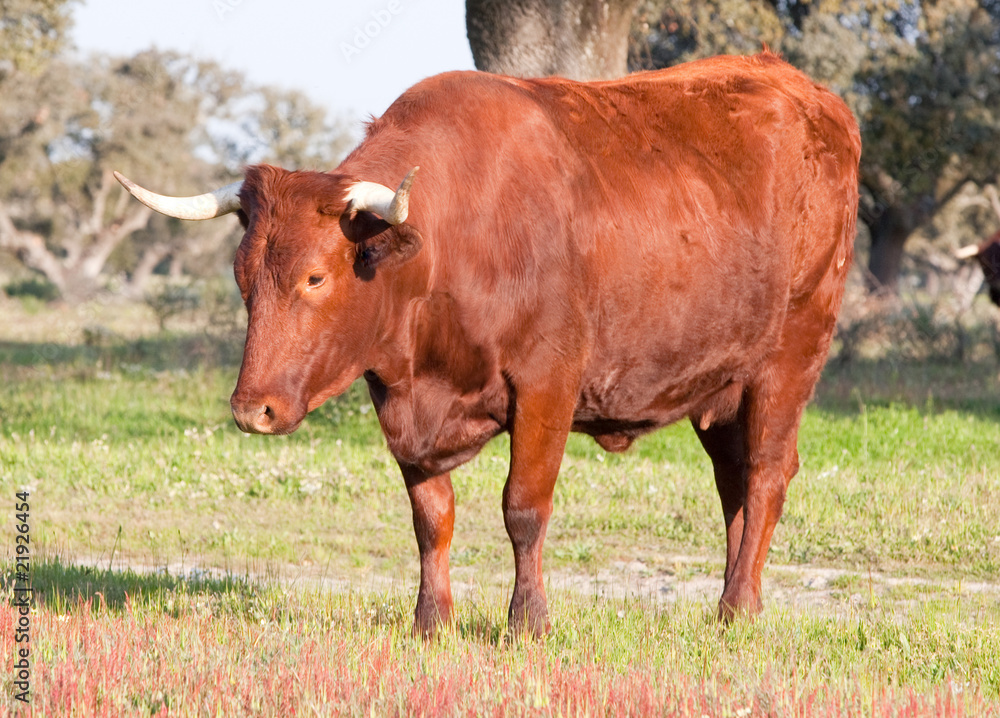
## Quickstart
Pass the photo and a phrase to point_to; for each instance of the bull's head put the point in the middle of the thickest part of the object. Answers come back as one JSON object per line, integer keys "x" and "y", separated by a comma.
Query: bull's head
{"x": 305, "y": 268}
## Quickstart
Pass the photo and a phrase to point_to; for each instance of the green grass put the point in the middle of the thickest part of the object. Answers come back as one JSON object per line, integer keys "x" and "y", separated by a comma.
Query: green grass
{"x": 132, "y": 460}
{"x": 151, "y": 460}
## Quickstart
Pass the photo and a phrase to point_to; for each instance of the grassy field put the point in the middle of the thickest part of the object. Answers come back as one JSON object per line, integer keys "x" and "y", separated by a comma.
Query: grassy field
{"x": 275, "y": 575}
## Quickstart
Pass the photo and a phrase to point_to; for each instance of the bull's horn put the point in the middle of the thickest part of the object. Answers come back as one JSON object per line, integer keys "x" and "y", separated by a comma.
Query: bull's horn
{"x": 373, "y": 197}
{"x": 967, "y": 252}
{"x": 204, "y": 206}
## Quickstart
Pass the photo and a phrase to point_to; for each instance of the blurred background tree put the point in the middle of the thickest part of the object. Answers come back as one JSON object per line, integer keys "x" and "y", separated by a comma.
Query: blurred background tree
{"x": 32, "y": 32}
{"x": 182, "y": 124}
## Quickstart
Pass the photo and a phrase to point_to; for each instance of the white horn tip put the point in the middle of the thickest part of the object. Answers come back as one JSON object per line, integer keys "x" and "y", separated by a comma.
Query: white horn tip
{"x": 967, "y": 252}
{"x": 400, "y": 207}
{"x": 125, "y": 181}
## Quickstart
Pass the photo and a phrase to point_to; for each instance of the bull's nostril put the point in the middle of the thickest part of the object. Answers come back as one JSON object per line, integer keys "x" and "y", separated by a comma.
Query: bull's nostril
{"x": 264, "y": 414}
{"x": 253, "y": 417}
{"x": 264, "y": 419}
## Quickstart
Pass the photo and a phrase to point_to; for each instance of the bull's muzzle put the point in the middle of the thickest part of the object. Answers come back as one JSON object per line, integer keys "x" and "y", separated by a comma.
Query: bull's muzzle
{"x": 253, "y": 417}
{"x": 265, "y": 414}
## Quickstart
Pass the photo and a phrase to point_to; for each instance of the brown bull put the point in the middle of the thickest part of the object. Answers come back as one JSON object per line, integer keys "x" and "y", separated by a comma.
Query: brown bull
{"x": 605, "y": 258}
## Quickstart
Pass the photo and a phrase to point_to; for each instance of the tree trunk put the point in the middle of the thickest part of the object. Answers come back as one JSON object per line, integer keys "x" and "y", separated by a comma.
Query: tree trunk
{"x": 31, "y": 250}
{"x": 889, "y": 232}
{"x": 143, "y": 271}
{"x": 578, "y": 39}
{"x": 35, "y": 255}
{"x": 77, "y": 274}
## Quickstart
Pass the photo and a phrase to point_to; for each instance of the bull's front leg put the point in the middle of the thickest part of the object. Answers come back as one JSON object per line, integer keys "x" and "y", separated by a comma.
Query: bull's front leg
{"x": 538, "y": 440}
{"x": 433, "y": 503}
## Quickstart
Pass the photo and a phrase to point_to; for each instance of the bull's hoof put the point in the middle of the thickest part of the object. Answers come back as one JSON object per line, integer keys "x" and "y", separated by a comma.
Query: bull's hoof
{"x": 425, "y": 629}
{"x": 429, "y": 619}
{"x": 528, "y": 619}
{"x": 529, "y": 628}
{"x": 739, "y": 607}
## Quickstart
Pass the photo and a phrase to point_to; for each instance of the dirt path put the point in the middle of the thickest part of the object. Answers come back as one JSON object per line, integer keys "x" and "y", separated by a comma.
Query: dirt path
{"x": 798, "y": 588}
{"x": 809, "y": 589}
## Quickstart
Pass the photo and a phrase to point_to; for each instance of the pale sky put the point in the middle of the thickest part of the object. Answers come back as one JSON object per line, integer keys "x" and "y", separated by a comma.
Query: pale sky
{"x": 353, "y": 56}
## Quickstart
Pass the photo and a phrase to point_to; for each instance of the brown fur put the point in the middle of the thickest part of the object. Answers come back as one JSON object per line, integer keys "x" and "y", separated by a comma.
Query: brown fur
{"x": 605, "y": 258}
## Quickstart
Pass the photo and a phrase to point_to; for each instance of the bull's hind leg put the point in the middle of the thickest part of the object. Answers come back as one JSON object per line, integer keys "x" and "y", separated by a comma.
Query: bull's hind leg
{"x": 726, "y": 446}
{"x": 433, "y": 503}
{"x": 754, "y": 457}
{"x": 769, "y": 461}
{"x": 773, "y": 403}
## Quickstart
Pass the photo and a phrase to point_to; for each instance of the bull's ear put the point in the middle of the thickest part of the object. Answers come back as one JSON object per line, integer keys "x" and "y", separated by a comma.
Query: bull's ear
{"x": 378, "y": 243}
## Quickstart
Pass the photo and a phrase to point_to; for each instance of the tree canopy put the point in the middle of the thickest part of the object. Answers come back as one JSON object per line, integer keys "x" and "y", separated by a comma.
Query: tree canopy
{"x": 32, "y": 32}
{"x": 179, "y": 124}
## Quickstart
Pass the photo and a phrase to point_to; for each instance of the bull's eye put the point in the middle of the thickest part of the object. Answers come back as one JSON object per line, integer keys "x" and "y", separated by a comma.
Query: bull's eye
{"x": 315, "y": 280}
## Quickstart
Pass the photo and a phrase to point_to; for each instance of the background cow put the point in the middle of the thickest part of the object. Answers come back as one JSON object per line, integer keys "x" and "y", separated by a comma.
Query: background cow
{"x": 987, "y": 253}
{"x": 605, "y": 258}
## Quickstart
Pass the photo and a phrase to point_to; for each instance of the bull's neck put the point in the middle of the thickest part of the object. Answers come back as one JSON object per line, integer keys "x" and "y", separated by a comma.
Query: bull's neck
{"x": 396, "y": 291}
{"x": 399, "y": 291}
